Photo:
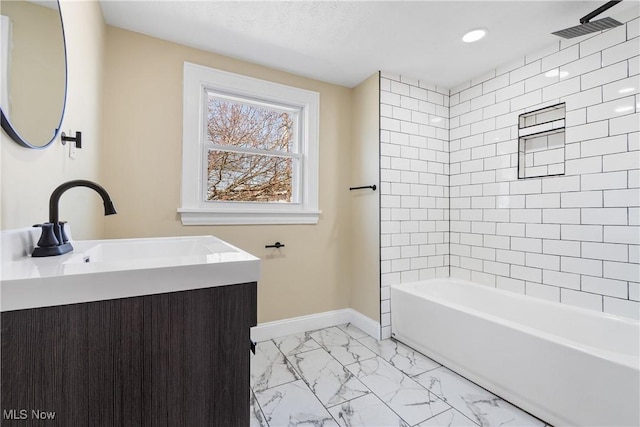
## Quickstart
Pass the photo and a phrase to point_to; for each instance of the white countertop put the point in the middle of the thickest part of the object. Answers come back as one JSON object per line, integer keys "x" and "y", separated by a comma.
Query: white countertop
{"x": 118, "y": 268}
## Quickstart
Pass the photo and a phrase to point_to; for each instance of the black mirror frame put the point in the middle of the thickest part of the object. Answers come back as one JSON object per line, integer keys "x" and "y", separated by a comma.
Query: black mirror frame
{"x": 6, "y": 123}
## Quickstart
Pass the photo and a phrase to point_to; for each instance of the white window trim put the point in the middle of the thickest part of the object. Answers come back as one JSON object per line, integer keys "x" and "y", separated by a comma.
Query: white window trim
{"x": 196, "y": 211}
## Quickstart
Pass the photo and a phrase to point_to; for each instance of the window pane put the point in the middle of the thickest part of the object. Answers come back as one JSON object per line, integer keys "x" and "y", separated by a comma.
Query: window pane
{"x": 244, "y": 177}
{"x": 249, "y": 126}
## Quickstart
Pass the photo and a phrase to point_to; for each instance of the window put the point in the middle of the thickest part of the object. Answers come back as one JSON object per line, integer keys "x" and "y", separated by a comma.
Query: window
{"x": 250, "y": 150}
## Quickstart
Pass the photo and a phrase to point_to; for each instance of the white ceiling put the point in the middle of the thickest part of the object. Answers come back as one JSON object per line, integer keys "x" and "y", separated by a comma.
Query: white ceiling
{"x": 344, "y": 42}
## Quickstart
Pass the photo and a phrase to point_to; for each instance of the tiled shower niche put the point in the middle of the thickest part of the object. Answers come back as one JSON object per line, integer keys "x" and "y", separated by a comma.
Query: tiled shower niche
{"x": 541, "y": 142}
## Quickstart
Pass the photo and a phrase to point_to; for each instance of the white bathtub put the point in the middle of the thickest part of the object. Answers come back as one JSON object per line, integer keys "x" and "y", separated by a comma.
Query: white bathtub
{"x": 567, "y": 366}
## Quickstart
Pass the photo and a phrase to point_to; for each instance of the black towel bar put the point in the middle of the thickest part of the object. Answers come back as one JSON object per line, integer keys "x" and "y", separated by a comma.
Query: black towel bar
{"x": 276, "y": 245}
{"x": 373, "y": 187}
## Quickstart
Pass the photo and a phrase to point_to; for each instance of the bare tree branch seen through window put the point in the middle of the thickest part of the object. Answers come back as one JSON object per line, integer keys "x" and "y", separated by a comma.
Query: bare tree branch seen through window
{"x": 235, "y": 175}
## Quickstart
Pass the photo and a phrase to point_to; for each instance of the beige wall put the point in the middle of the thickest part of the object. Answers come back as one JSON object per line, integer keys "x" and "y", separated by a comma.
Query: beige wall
{"x": 29, "y": 176}
{"x": 365, "y": 204}
{"x": 142, "y": 170}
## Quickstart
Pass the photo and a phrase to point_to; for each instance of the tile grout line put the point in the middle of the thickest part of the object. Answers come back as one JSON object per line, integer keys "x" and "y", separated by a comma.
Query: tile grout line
{"x": 255, "y": 399}
{"x": 301, "y": 378}
{"x": 305, "y": 381}
{"x": 344, "y": 367}
{"x": 380, "y": 398}
{"x": 411, "y": 378}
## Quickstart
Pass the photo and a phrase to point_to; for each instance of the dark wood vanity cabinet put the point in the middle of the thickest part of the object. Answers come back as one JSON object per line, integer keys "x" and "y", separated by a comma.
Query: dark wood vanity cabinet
{"x": 174, "y": 359}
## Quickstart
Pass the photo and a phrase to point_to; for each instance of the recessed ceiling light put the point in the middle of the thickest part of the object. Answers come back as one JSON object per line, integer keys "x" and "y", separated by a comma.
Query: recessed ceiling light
{"x": 474, "y": 35}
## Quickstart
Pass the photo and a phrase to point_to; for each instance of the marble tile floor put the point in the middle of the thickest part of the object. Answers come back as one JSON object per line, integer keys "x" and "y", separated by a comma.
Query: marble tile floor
{"x": 340, "y": 376}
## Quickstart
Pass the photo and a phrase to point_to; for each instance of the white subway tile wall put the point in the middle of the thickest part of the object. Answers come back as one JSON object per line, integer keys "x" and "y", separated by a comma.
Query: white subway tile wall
{"x": 574, "y": 239}
{"x": 451, "y": 202}
{"x": 414, "y": 186}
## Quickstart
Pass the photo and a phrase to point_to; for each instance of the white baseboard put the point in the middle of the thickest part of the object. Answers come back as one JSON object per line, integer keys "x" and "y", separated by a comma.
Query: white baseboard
{"x": 296, "y": 325}
{"x": 365, "y": 323}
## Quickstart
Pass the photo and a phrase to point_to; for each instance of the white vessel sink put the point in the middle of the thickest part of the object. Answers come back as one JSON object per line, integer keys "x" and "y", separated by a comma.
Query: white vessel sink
{"x": 119, "y": 268}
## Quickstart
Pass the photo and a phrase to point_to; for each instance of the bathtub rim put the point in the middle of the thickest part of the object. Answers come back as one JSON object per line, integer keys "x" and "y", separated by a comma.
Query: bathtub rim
{"x": 624, "y": 359}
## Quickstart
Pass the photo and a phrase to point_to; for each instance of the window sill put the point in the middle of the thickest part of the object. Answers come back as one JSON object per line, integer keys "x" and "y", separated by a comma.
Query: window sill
{"x": 246, "y": 217}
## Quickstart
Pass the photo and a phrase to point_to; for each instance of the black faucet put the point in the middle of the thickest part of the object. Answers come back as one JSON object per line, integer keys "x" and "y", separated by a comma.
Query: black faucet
{"x": 54, "y": 240}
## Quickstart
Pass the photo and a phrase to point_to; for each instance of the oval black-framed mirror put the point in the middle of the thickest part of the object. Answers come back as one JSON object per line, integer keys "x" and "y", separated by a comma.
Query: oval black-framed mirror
{"x": 34, "y": 71}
